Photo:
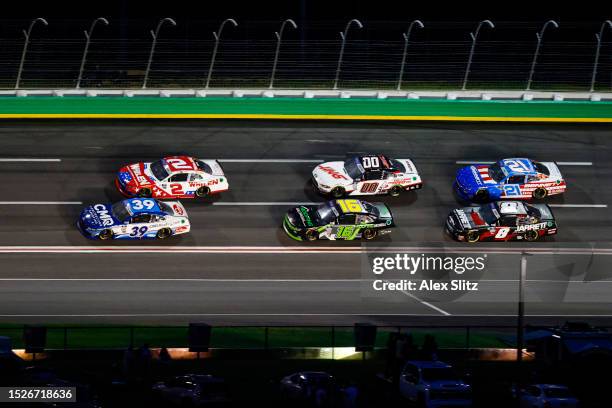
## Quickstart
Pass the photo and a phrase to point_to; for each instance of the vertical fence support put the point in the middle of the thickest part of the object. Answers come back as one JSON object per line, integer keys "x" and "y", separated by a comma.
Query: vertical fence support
{"x": 473, "y": 47}
{"x": 539, "y": 36}
{"x": 266, "y": 338}
{"x": 25, "y": 47}
{"x": 65, "y": 338}
{"x": 217, "y": 36}
{"x": 333, "y": 342}
{"x": 406, "y": 36}
{"x": 87, "y": 41}
{"x": 279, "y": 38}
{"x": 131, "y": 336}
{"x": 153, "y": 44}
{"x": 341, "y": 56}
{"x": 467, "y": 337}
{"x": 598, "y": 37}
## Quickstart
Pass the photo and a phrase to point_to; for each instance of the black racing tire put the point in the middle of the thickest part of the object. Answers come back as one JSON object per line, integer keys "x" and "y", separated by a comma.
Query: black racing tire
{"x": 144, "y": 192}
{"x": 395, "y": 191}
{"x": 472, "y": 236}
{"x": 311, "y": 235}
{"x": 481, "y": 196}
{"x": 369, "y": 234}
{"x": 202, "y": 192}
{"x": 539, "y": 193}
{"x": 105, "y": 235}
{"x": 164, "y": 233}
{"x": 337, "y": 192}
{"x": 531, "y": 235}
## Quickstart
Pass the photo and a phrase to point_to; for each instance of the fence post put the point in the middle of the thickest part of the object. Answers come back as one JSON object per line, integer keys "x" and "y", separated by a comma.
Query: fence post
{"x": 467, "y": 337}
{"x": 131, "y": 336}
{"x": 65, "y": 338}
{"x": 333, "y": 342}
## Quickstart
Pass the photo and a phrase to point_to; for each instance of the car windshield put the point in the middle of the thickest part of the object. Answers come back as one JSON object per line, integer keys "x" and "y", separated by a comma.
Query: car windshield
{"x": 120, "y": 211}
{"x": 165, "y": 207}
{"x": 353, "y": 168}
{"x": 159, "y": 170}
{"x": 540, "y": 168}
{"x": 489, "y": 213}
{"x": 533, "y": 212}
{"x": 398, "y": 165}
{"x": 496, "y": 173}
{"x": 326, "y": 213}
{"x": 557, "y": 393}
{"x": 439, "y": 374}
{"x": 370, "y": 208}
{"x": 203, "y": 166}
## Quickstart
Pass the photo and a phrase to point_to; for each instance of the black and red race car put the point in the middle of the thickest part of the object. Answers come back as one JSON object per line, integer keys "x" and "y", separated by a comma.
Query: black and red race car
{"x": 501, "y": 221}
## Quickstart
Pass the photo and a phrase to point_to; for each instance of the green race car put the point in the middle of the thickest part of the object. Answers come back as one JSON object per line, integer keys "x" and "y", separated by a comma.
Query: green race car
{"x": 338, "y": 219}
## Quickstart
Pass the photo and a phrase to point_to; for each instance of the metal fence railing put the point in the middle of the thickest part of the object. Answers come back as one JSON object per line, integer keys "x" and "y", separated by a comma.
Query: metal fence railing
{"x": 309, "y": 64}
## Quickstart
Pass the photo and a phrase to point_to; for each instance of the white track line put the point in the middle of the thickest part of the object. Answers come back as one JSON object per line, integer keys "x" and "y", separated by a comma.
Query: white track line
{"x": 41, "y": 202}
{"x": 491, "y": 162}
{"x": 579, "y": 205}
{"x": 509, "y": 250}
{"x": 262, "y": 203}
{"x": 424, "y": 303}
{"x": 296, "y": 314}
{"x": 10, "y": 160}
{"x": 269, "y": 161}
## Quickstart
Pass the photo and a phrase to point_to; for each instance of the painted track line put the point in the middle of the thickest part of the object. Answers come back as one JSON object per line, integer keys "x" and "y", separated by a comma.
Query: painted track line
{"x": 41, "y": 202}
{"x": 25, "y": 159}
{"x": 491, "y": 162}
{"x": 299, "y": 315}
{"x": 269, "y": 161}
{"x": 578, "y": 205}
{"x": 300, "y": 250}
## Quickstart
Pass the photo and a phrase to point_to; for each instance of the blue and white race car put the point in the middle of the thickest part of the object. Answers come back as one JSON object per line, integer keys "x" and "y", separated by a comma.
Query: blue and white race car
{"x": 507, "y": 179}
{"x": 135, "y": 218}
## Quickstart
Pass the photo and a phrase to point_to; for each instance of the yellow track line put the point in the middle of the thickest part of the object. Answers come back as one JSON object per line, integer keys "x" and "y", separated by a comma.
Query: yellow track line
{"x": 292, "y": 116}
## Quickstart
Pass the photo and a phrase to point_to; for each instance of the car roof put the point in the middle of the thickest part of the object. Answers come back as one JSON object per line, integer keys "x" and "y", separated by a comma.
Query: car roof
{"x": 429, "y": 364}
{"x": 518, "y": 167}
{"x": 511, "y": 208}
{"x": 155, "y": 209}
{"x": 180, "y": 163}
{"x": 362, "y": 206}
{"x": 383, "y": 161}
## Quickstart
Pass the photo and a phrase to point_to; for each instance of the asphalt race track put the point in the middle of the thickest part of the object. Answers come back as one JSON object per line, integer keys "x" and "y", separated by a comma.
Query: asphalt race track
{"x": 237, "y": 265}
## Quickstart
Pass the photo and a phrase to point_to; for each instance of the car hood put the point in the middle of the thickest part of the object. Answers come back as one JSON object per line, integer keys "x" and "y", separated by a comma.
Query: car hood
{"x": 98, "y": 216}
{"x": 303, "y": 216}
{"x": 135, "y": 175}
{"x": 474, "y": 177}
{"x": 466, "y": 218}
{"x": 332, "y": 174}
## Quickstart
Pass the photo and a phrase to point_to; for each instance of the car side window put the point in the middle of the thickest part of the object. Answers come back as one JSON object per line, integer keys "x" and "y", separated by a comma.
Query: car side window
{"x": 179, "y": 177}
{"x": 515, "y": 180}
{"x": 533, "y": 178}
{"x": 373, "y": 175}
{"x": 347, "y": 219}
{"x": 141, "y": 218}
{"x": 195, "y": 177}
{"x": 364, "y": 219}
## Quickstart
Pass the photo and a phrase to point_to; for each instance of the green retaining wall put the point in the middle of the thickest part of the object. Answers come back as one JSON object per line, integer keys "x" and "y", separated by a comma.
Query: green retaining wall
{"x": 300, "y": 108}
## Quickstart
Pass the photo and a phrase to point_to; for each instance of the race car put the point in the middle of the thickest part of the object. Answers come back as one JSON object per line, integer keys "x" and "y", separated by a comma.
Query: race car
{"x": 366, "y": 175}
{"x": 134, "y": 218}
{"x": 172, "y": 177}
{"x": 501, "y": 221}
{"x": 346, "y": 219}
{"x": 509, "y": 178}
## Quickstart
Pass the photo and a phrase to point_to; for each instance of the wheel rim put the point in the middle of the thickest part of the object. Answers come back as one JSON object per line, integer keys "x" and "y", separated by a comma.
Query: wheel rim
{"x": 482, "y": 195}
{"x": 539, "y": 193}
{"x": 311, "y": 235}
{"x": 202, "y": 192}
{"x": 395, "y": 191}
{"x": 106, "y": 234}
{"x": 531, "y": 235}
{"x": 369, "y": 234}
{"x": 472, "y": 236}
{"x": 163, "y": 233}
{"x": 338, "y": 192}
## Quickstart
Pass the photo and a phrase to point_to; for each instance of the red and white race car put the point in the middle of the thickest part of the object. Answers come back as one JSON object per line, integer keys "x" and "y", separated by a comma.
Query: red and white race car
{"x": 366, "y": 175}
{"x": 172, "y": 177}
